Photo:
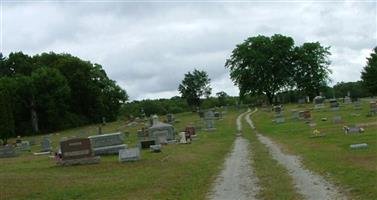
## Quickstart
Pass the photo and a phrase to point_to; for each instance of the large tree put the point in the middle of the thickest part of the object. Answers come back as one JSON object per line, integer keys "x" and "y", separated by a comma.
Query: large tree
{"x": 57, "y": 91}
{"x": 7, "y": 123}
{"x": 262, "y": 65}
{"x": 195, "y": 85}
{"x": 311, "y": 68}
{"x": 369, "y": 73}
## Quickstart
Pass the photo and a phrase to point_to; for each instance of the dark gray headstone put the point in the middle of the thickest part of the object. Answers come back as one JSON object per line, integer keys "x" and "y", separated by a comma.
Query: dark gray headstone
{"x": 76, "y": 151}
{"x": 46, "y": 145}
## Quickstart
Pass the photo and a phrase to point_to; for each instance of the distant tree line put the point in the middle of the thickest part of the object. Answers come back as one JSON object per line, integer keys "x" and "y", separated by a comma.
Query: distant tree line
{"x": 50, "y": 92}
{"x": 173, "y": 105}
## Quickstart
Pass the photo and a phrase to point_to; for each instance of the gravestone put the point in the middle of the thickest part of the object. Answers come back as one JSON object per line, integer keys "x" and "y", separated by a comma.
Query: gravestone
{"x": 217, "y": 115}
{"x": 359, "y": 146}
{"x": 278, "y": 111}
{"x": 32, "y": 141}
{"x": 155, "y": 148}
{"x": 351, "y": 130}
{"x": 170, "y": 118}
{"x": 279, "y": 120}
{"x": 126, "y": 155}
{"x": 160, "y": 136}
{"x": 208, "y": 120}
{"x": 76, "y": 151}
{"x": 373, "y": 108}
{"x": 357, "y": 105}
{"x": 301, "y": 101}
{"x": 190, "y": 130}
{"x": 334, "y": 105}
{"x": 107, "y": 144}
{"x": 307, "y": 115}
{"x": 337, "y": 120}
{"x": 161, "y": 132}
{"x": 145, "y": 144}
{"x": 7, "y": 151}
{"x": 294, "y": 114}
{"x": 46, "y": 145}
{"x": 347, "y": 100}
{"x": 25, "y": 146}
{"x": 319, "y": 102}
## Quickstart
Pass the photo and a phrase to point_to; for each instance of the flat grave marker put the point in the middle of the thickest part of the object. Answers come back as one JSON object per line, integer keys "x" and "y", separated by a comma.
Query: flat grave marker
{"x": 126, "y": 155}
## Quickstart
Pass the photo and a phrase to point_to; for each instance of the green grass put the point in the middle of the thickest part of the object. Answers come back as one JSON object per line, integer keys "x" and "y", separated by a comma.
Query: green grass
{"x": 274, "y": 180}
{"x": 354, "y": 170}
{"x": 179, "y": 172}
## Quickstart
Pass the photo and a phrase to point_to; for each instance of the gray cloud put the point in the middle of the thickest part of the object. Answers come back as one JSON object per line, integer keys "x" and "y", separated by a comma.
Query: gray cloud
{"x": 148, "y": 47}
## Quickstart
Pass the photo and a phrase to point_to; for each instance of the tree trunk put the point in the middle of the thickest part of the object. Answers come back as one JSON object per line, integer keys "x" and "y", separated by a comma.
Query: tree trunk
{"x": 270, "y": 97}
{"x": 34, "y": 116}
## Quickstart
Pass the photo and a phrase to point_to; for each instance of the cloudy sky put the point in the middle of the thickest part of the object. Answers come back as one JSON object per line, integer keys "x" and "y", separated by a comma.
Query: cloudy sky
{"x": 148, "y": 46}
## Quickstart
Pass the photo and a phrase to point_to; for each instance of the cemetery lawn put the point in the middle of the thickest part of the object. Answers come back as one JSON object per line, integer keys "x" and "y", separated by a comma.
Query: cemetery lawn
{"x": 354, "y": 170}
{"x": 179, "y": 172}
{"x": 274, "y": 180}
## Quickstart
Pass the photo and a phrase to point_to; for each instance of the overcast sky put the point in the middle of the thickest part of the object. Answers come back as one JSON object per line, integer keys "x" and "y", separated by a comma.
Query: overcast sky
{"x": 148, "y": 47}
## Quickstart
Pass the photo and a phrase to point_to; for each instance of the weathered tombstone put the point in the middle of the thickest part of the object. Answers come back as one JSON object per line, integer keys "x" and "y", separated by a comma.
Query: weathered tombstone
{"x": 319, "y": 102}
{"x": 373, "y": 108}
{"x": 170, "y": 118}
{"x": 357, "y": 105}
{"x": 347, "y": 100}
{"x": 161, "y": 136}
{"x": 155, "y": 148}
{"x": 351, "y": 130}
{"x": 301, "y": 115}
{"x": 278, "y": 111}
{"x": 46, "y": 145}
{"x": 301, "y": 101}
{"x": 160, "y": 130}
{"x": 32, "y": 141}
{"x": 7, "y": 151}
{"x": 334, "y": 105}
{"x": 25, "y": 146}
{"x": 76, "y": 151}
{"x": 337, "y": 120}
{"x": 294, "y": 114}
{"x": 190, "y": 130}
{"x": 307, "y": 115}
{"x": 145, "y": 144}
{"x": 280, "y": 120}
{"x": 359, "y": 146}
{"x": 312, "y": 125}
{"x": 126, "y": 155}
{"x": 107, "y": 143}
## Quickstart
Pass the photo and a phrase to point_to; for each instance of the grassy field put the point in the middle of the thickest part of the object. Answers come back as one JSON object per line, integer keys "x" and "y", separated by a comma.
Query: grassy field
{"x": 179, "y": 172}
{"x": 274, "y": 181}
{"x": 330, "y": 156}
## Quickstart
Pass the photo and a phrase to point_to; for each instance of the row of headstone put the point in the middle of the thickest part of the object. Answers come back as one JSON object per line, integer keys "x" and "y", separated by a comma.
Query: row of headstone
{"x": 107, "y": 144}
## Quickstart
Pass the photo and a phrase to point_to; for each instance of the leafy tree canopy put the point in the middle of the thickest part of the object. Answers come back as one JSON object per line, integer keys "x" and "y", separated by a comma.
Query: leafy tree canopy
{"x": 369, "y": 73}
{"x": 195, "y": 85}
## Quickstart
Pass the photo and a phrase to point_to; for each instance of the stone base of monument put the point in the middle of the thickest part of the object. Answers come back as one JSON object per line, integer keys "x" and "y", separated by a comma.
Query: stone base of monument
{"x": 109, "y": 150}
{"x": 155, "y": 148}
{"x": 81, "y": 161}
{"x": 42, "y": 153}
